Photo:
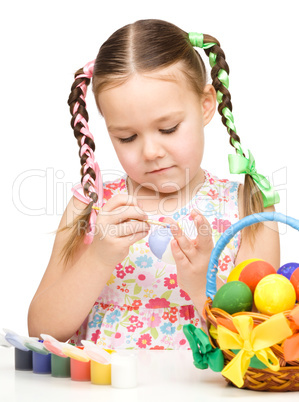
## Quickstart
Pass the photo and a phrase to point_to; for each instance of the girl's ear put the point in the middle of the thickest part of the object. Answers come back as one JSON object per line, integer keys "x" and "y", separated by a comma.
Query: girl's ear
{"x": 208, "y": 103}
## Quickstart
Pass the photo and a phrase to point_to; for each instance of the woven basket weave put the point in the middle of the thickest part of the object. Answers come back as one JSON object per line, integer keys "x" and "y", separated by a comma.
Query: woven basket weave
{"x": 287, "y": 378}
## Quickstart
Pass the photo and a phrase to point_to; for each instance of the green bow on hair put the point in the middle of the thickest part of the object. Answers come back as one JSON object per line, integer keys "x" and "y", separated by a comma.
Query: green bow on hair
{"x": 205, "y": 356}
{"x": 238, "y": 164}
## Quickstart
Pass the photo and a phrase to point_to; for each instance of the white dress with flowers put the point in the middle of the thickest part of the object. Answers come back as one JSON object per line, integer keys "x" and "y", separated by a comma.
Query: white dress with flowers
{"x": 142, "y": 305}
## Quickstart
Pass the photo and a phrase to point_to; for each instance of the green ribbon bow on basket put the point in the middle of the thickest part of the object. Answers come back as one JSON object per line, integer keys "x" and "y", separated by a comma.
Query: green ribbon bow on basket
{"x": 238, "y": 164}
{"x": 204, "y": 354}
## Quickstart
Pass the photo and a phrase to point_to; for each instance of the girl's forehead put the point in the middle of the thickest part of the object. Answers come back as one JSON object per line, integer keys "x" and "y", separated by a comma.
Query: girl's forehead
{"x": 143, "y": 97}
{"x": 162, "y": 88}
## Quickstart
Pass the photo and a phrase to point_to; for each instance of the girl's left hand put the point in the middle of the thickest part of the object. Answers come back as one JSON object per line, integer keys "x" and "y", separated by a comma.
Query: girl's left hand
{"x": 192, "y": 256}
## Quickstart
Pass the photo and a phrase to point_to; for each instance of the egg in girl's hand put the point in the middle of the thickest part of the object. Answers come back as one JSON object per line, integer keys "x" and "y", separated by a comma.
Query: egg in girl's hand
{"x": 287, "y": 269}
{"x": 254, "y": 272}
{"x": 295, "y": 282}
{"x": 233, "y": 297}
{"x": 159, "y": 243}
{"x": 235, "y": 273}
{"x": 274, "y": 294}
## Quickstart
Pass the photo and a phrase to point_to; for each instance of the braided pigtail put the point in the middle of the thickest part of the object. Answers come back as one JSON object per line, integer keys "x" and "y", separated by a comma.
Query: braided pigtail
{"x": 91, "y": 182}
{"x": 257, "y": 190}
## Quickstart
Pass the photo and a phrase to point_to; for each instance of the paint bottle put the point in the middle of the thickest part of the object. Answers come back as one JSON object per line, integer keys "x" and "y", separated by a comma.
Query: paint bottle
{"x": 124, "y": 370}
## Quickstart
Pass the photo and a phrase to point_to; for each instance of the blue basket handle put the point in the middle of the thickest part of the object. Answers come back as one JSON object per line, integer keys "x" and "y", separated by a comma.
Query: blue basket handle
{"x": 229, "y": 234}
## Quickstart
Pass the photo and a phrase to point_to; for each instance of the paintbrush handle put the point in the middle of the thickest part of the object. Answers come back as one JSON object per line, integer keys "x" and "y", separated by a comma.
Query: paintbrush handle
{"x": 150, "y": 221}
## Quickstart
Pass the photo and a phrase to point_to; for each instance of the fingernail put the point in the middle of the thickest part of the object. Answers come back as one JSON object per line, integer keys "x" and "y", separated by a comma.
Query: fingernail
{"x": 140, "y": 204}
{"x": 198, "y": 219}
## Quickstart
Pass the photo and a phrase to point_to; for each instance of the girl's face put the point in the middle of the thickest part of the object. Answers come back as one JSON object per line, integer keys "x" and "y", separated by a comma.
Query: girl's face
{"x": 156, "y": 124}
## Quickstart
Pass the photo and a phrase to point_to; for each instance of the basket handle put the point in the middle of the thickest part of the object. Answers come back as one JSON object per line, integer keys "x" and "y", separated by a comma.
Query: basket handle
{"x": 229, "y": 234}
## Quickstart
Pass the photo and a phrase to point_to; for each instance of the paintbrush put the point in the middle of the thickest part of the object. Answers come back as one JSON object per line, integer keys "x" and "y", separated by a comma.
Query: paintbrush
{"x": 150, "y": 221}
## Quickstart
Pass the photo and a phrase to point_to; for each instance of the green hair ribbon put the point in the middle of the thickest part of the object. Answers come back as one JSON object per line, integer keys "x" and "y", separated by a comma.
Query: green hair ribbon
{"x": 205, "y": 356}
{"x": 238, "y": 164}
{"x": 196, "y": 39}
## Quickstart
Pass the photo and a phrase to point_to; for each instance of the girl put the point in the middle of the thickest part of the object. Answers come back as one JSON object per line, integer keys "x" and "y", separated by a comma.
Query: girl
{"x": 103, "y": 283}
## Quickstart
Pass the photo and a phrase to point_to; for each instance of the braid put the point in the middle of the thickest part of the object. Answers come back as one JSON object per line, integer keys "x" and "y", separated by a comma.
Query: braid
{"x": 91, "y": 177}
{"x": 79, "y": 123}
{"x": 220, "y": 81}
{"x": 253, "y": 201}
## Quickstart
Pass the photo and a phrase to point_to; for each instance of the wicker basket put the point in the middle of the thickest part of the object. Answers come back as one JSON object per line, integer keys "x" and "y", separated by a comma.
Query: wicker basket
{"x": 287, "y": 378}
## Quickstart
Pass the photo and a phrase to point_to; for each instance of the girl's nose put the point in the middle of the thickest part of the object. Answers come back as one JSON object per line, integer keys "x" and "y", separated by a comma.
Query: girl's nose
{"x": 153, "y": 149}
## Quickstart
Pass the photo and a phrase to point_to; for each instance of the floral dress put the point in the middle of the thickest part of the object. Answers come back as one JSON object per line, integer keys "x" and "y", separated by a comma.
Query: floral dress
{"x": 141, "y": 305}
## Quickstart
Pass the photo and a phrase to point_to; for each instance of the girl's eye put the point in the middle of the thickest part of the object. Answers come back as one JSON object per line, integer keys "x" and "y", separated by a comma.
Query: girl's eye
{"x": 168, "y": 131}
{"x": 127, "y": 139}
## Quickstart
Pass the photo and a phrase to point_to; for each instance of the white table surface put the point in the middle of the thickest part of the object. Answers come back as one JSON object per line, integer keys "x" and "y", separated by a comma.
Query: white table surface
{"x": 162, "y": 376}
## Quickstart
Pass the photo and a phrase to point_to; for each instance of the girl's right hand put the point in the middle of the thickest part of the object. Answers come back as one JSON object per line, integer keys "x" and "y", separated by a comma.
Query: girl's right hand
{"x": 115, "y": 233}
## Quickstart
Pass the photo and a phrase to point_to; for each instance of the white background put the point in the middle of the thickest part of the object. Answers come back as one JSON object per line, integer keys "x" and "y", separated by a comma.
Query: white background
{"x": 44, "y": 43}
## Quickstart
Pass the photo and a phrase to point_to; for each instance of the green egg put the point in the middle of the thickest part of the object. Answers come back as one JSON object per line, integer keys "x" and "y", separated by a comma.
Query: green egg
{"x": 233, "y": 297}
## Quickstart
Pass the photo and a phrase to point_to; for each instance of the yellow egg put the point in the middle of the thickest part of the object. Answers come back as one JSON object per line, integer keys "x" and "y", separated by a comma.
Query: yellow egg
{"x": 274, "y": 294}
{"x": 235, "y": 273}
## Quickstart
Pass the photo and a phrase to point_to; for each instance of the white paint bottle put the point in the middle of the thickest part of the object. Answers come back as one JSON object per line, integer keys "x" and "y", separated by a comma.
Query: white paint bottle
{"x": 123, "y": 370}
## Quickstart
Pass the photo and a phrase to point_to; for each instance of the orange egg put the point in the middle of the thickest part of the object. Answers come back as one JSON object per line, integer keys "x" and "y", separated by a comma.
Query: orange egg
{"x": 254, "y": 272}
{"x": 295, "y": 282}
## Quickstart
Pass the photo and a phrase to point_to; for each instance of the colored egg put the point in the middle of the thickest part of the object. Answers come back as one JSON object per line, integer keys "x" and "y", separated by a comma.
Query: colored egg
{"x": 274, "y": 294}
{"x": 159, "y": 243}
{"x": 254, "y": 272}
{"x": 295, "y": 282}
{"x": 287, "y": 269}
{"x": 235, "y": 273}
{"x": 233, "y": 297}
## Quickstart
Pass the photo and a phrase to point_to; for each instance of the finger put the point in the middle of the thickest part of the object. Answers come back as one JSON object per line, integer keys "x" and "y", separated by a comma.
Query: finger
{"x": 134, "y": 237}
{"x": 128, "y": 214}
{"x": 178, "y": 255}
{"x": 174, "y": 227}
{"x": 186, "y": 246}
{"x": 129, "y": 228}
{"x": 181, "y": 240}
{"x": 204, "y": 237}
{"x": 120, "y": 200}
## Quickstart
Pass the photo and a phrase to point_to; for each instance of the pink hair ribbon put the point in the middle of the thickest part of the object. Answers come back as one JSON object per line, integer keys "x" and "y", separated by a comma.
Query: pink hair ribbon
{"x": 97, "y": 187}
{"x": 97, "y": 184}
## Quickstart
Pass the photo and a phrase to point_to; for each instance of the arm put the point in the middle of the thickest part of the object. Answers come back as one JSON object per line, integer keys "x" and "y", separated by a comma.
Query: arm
{"x": 267, "y": 243}
{"x": 65, "y": 295}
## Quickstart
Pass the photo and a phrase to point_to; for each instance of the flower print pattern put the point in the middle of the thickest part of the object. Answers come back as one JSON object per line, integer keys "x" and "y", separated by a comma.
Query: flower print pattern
{"x": 129, "y": 269}
{"x": 142, "y": 305}
{"x": 113, "y": 317}
{"x": 144, "y": 341}
{"x": 167, "y": 328}
{"x": 144, "y": 261}
{"x": 213, "y": 194}
{"x": 171, "y": 282}
{"x": 187, "y": 312}
{"x": 154, "y": 320}
{"x": 145, "y": 279}
{"x": 221, "y": 225}
{"x": 184, "y": 295}
{"x": 121, "y": 274}
{"x": 176, "y": 216}
{"x": 117, "y": 339}
{"x": 157, "y": 303}
{"x": 95, "y": 335}
{"x": 96, "y": 322}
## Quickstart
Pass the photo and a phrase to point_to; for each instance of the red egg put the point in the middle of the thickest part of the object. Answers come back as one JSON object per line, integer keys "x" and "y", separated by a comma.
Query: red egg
{"x": 295, "y": 282}
{"x": 254, "y": 272}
